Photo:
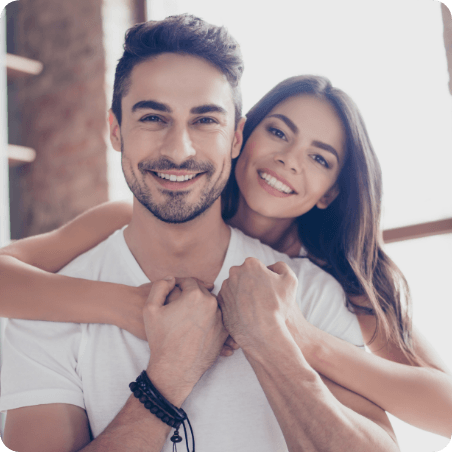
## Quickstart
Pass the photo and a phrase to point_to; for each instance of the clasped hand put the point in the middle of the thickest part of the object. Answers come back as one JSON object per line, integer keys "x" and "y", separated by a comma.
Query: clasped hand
{"x": 256, "y": 301}
{"x": 187, "y": 327}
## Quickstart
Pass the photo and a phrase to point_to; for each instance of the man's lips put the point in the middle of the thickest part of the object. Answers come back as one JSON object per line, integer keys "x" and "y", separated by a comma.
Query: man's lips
{"x": 175, "y": 180}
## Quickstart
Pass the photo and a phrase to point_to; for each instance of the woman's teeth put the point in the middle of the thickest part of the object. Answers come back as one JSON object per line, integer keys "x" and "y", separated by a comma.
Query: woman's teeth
{"x": 275, "y": 183}
{"x": 174, "y": 178}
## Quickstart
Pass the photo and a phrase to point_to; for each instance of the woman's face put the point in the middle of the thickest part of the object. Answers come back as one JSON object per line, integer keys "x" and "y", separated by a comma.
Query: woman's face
{"x": 292, "y": 159}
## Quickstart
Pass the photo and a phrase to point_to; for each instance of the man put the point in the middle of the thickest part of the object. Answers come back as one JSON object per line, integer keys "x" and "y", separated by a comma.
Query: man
{"x": 176, "y": 121}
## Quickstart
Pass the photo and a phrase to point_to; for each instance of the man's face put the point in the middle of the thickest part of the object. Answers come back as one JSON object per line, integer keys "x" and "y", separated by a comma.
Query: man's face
{"x": 177, "y": 135}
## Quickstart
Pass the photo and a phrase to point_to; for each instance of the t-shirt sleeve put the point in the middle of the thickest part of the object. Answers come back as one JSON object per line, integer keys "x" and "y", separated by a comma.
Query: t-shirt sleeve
{"x": 40, "y": 364}
{"x": 323, "y": 303}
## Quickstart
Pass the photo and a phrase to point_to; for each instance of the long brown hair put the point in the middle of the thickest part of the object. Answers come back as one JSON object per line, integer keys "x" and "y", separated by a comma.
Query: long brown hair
{"x": 345, "y": 239}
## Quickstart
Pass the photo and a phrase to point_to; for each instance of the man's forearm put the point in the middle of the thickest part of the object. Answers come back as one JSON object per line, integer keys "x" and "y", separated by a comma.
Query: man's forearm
{"x": 134, "y": 429}
{"x": 310, "y": 417}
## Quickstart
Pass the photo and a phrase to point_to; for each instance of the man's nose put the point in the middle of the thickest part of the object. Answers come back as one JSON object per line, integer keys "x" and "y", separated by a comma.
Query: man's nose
{"x": 177, "y": 145}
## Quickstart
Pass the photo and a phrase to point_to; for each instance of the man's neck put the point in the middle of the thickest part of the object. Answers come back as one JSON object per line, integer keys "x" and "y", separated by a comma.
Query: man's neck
{"x": 196, "y": 248}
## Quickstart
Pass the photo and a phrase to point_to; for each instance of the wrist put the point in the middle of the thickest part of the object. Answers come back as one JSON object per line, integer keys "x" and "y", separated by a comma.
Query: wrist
{"x": 169, "y": 384}
{"x": 311, "y": 341}
{"x": 268, "y": 342}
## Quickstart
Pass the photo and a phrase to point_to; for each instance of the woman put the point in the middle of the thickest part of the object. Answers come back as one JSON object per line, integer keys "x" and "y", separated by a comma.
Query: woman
{"x": 307, "y": 179}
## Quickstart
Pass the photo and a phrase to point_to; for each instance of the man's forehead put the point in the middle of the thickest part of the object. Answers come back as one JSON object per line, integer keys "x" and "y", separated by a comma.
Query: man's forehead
{"x": 179, "y": 81}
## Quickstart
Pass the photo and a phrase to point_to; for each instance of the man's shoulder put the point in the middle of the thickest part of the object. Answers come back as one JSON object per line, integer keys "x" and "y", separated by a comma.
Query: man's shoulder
{"x": 319, "y": 295}
{"x": 302, "y": 266}
{"x": 110, "y": 261}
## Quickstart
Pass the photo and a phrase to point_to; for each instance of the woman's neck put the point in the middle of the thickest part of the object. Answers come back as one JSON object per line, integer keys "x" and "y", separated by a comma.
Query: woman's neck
{"x": 279, "y": 233}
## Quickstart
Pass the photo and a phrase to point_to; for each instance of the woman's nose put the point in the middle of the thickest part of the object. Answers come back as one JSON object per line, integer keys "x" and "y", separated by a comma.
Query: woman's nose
{"x": 290, "y": 159}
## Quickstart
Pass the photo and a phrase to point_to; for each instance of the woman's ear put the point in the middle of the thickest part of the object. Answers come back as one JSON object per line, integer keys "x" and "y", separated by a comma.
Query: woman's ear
{"x": 115, "y": 131}
{"x": 328, "y": 197}
{"x": 238, "y": 138}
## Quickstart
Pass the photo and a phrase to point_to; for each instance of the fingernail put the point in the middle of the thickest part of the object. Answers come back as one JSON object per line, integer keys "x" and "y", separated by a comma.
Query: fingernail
{"x": 168, "y": 278}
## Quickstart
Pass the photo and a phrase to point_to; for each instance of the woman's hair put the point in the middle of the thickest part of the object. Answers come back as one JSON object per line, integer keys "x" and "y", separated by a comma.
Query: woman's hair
{"x": 345, "y": 239}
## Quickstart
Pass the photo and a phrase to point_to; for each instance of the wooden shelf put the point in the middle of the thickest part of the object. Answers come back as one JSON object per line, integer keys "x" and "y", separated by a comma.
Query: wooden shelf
{"x": 19, "y": 155}
{"x": 416, "y": 231}
{"x": 17, "y": 66}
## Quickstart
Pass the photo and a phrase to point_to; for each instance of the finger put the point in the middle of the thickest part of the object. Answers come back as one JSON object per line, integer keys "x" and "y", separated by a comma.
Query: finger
{"x": 230, "y": 342}
{"x": 160, "y": 290}
{"x": 220, "y": 300}
{"x": 173, "y": 295}
{"x": 209, "y": 286}
{"x": 187, "y": 283}
{"x": 226, "y": 351}
{"x": 280, "y": 268}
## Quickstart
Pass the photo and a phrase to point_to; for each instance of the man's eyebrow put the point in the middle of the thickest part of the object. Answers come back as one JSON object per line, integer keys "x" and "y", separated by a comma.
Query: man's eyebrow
{"x": 289, "y": 123}
{"x": 210, "y": 108}
{"x": 326, "y": 147}
{"x": 151, "y": 105}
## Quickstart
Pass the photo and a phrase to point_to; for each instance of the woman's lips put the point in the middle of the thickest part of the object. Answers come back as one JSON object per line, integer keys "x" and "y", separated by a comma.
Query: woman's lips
{"x": 278, "y": 178}
{"x": 271, "y": 190}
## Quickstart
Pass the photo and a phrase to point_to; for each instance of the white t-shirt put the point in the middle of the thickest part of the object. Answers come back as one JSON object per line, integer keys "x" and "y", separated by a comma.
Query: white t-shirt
{"x": 91, "y": 365}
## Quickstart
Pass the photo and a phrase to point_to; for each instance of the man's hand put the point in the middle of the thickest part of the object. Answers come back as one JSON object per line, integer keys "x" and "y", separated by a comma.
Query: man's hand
{"x": 256, "y": 300}
{"x": 185, "y": 335}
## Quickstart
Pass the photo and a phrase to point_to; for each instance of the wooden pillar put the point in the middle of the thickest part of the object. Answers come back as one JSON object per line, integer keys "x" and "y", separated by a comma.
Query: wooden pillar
{"x": 63, "y": 111}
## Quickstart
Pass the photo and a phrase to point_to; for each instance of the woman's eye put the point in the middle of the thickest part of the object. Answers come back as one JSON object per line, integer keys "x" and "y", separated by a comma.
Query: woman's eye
{"x": 278, "y": 133}
{"x": 318, "y": 158}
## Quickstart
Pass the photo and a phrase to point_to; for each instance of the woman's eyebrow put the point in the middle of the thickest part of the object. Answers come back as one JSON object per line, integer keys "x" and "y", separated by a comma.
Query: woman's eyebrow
{"x": 286, "y": 120}
{"x": 326, "y": 147}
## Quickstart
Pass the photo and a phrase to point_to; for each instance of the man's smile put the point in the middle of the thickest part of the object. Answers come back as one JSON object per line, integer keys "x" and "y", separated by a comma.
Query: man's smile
{"x": 175, "y": 180}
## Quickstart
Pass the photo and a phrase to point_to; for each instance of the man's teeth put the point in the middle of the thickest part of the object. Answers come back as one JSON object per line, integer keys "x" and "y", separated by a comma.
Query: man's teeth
{"x": 275, "y": 183}
{"x": 174, "y": 178}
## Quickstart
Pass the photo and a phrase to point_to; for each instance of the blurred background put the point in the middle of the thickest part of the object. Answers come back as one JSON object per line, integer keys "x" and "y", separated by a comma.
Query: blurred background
{"x": 393, "y": 57}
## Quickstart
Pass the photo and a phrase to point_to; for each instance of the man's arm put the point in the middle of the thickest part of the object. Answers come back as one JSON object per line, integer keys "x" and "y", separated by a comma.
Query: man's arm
{"x": 314, "y": 415}
{"x": 185, "y": 337}
{"x": 65, "y": 428}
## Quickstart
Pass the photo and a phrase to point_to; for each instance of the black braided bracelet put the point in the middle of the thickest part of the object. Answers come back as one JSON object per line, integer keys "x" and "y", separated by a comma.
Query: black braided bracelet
{"x": 150, "y": 397}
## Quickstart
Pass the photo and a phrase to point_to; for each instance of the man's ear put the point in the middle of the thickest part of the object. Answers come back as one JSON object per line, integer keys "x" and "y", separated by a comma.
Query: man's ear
{"x": 238, "y": 138}
{"x": 328, "y": 197}
{"x": 115, "y": 131}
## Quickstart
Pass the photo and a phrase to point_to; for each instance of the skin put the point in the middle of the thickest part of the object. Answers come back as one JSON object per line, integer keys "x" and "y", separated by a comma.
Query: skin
{"x": 301, "y": 141}
{"x": 196, "y": 249}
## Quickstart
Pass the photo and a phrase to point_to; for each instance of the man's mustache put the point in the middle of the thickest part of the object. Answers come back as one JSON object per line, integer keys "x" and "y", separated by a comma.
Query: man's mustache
{"x": 165, "y": 164}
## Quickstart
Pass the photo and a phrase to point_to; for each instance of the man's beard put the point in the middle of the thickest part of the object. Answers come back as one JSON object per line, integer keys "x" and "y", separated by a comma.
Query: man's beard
{"x": 175, "y": 208}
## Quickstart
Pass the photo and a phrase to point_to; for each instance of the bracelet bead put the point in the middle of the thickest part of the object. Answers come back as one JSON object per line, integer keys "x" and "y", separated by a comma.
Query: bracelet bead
{"x": 150, "y": 397}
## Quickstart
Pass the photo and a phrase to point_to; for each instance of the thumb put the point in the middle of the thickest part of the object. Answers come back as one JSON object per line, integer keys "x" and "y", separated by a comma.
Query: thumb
{"x": 279, "y": 268}
{"x": 160, "y": 290}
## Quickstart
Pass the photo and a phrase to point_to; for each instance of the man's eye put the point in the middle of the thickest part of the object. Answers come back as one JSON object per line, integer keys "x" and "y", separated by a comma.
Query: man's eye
{"x": 151, "y": 118}
{"x": 206, "y": 121}
{"x": 278, "y": 133}
{"x": 318, "y": 158}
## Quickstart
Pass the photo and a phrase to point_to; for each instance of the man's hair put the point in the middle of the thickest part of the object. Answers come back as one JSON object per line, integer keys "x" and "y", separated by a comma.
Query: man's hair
{"x": 184, "y": 34}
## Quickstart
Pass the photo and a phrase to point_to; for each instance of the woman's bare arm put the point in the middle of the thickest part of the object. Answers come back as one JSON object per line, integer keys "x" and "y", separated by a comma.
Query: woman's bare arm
{"x": 421, "y": 396}
{"x": 30, "y": 290}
